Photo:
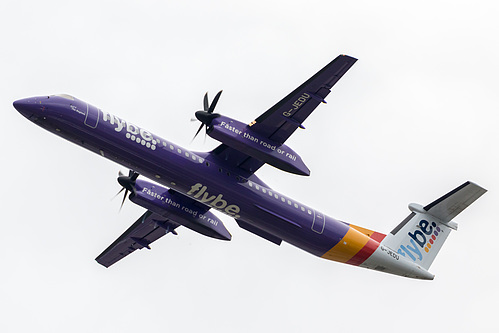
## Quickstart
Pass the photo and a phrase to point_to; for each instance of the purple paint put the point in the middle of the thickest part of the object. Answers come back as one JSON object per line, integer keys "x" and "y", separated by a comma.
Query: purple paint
{"x": 222, "y": 179}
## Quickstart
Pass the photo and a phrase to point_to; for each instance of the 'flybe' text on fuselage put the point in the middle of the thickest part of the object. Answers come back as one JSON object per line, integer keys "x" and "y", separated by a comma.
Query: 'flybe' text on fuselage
{"x": 216, "y": 201}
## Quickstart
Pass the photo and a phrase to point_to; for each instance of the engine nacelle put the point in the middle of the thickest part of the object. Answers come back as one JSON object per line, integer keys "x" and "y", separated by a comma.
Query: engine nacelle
{"x": 179, "y": 209}
{"x": 239, "y": 136}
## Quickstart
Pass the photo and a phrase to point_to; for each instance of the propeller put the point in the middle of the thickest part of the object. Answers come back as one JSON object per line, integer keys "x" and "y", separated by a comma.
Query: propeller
{"x": 206, "y": 115}
{"x": 128, "y": 183}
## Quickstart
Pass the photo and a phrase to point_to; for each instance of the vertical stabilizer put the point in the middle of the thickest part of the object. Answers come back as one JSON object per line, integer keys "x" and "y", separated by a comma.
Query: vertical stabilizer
{"x": 421, "y": 235}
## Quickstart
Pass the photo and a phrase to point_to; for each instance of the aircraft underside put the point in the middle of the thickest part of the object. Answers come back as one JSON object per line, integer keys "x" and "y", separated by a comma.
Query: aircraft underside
{"x": 186, "y": 186}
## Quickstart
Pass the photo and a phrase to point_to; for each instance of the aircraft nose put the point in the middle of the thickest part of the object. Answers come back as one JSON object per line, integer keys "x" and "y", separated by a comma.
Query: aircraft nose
{"x": 28, "y": 106}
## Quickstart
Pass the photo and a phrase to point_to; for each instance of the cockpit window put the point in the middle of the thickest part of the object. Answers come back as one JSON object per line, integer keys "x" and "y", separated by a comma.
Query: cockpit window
{"x": 66, "y": 96}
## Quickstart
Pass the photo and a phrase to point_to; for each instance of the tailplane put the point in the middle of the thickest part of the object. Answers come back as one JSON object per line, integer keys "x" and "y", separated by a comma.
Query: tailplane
{"x": 421, "y": 235}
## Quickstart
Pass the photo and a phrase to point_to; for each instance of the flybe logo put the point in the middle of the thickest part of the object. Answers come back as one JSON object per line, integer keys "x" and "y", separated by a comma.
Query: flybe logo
{"x": 133, "y": 132}
{"x": 420, "y": 240}
{"x": 215, "y": 201}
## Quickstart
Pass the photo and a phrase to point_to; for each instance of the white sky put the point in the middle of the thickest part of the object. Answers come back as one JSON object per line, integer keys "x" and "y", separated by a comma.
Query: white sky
{"x": 415, "y": 117}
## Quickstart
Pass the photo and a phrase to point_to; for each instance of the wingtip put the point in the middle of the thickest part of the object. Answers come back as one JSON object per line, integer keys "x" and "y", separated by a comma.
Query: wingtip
{"x": 347, "y": 56}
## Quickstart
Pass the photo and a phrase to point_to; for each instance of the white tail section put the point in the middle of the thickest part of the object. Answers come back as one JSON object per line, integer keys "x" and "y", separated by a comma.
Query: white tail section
{"x": 421, "y": 235}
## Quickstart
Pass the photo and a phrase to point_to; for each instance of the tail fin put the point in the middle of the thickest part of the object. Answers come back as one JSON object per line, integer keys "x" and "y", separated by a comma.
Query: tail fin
{"x": 421, "y": 235}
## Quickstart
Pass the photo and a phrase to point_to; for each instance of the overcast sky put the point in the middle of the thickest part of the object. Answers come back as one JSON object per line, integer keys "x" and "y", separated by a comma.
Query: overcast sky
{"x": 415, "y": 117}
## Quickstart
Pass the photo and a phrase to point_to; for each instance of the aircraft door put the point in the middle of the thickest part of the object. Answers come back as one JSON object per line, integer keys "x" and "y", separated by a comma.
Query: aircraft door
{"x": 92, "y": 116}
{"x": 319, "y": 222}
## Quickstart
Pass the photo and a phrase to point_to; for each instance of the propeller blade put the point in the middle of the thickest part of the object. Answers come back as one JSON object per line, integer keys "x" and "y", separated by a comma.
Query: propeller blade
{"x": 205, "y": 102}
{"x": 119, "y": 192}
{"x": 123, "y": 201}
{"x": 199, "y": 130}
{"x": 215, "y": 101}
{"x": 133, "y": 175}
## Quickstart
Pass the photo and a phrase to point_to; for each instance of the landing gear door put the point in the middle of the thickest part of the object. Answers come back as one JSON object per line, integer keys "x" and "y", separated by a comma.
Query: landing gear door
{"x": 92, "y": 116}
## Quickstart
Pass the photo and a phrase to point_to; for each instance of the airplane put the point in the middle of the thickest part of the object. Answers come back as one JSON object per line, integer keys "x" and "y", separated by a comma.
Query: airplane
{"x": 184, "y": 186}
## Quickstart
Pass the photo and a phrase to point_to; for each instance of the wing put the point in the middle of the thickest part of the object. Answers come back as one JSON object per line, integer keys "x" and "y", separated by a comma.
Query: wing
{"x": 280, "y": 121}
{"x": 148, "y": 228}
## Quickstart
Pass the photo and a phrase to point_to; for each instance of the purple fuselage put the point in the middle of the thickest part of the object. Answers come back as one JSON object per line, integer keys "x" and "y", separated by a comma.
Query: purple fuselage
{"x": 198, "y": 175}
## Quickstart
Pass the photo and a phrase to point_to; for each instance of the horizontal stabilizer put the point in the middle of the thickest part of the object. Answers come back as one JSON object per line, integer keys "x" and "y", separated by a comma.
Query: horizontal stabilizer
{"x": 454, "y": 202}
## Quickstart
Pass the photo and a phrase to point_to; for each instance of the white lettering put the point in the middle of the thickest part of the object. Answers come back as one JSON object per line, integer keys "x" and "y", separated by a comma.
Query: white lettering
{"x": 131, "y": 128}
{"x": 216, "y": 201}
{"x": 121, "y": 124}
{"x": 108, "y": 117}
{"x": 145, "y": 135}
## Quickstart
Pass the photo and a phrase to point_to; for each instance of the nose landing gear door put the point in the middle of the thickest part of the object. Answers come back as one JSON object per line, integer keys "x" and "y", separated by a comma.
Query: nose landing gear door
{"x": 92, "y": 116}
